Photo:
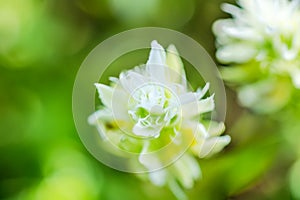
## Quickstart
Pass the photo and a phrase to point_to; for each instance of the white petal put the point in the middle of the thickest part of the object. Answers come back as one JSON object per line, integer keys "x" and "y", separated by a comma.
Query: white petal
{"x": 248, "y": 95}
{"x": 188, "y": 98}
{"x": 157, "y": 110}
{"x": 218, "y": 29}
{"x": 195, "y": 108}
{"x": 177, "y": 88}
{"x": 192, "y": 166}
{"x": 152, "y": 162}
{"x": 237, "y": 53}
{"x": 114, "y": 137}
{"x": 174, "y": 62}
{"x": 267, "y": 95}
{"x": 289, "y": 54}
{"x": 206, "y": 105}
{"x": 130, "y": 80}
{"x": 231, "y": 9}
{"x": 156, "y": 64}
{"x": 213, "y": 145}
{"x": 183, "y": 174}
{"x": 201, "y": 132}
{"x": 296, "y": 78}
{"x": 186, "y": 170}
{"x": 114, "y": 80}
{"x": 101, "y": 129}
{"x": 105, "y": 94}
{"x": 189, "y": 105}
{"x": 98, "y": 119}
{"x": 243, "y": 33}
{"x": 157, "y": 54}
{"x": 103, "y": 114}
{"x": 157, "y": 73}
{"x": 202, "y": 92}
{"x": 119, "y": 104}
{"x": 140, "y": 130}
{"x": 158, "y": 178}
{"x": 215, "y": 128}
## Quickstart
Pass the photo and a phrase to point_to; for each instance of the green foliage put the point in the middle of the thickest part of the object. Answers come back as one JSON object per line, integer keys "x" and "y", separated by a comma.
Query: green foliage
{"x": 42, "y": 44}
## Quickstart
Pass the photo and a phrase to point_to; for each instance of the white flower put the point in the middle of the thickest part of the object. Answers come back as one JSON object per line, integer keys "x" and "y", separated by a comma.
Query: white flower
{"x": 151, "y": 107}
{"x": 262, "y": 32}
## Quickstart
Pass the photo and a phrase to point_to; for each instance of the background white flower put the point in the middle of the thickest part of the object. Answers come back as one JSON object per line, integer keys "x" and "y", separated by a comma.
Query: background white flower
{"x": 150, "y": 108}
{"x": 263, "y": 39}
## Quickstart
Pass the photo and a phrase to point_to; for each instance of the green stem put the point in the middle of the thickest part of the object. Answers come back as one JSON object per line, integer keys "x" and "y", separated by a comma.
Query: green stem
{"x": 177, "y": 190}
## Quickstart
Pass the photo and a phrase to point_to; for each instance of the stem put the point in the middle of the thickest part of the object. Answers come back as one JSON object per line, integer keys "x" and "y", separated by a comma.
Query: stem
{"x": 177, "y": 190}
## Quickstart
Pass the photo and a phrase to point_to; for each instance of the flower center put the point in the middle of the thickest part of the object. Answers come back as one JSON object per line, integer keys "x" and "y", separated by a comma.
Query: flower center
{"x": 153, "y": 106}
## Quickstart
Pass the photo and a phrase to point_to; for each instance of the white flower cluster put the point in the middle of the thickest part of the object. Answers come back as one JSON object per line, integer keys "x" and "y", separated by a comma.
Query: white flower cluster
{"x": 150, "y": 108}
{"x": 261, "y": 46}
{"x": 262, "y": 32}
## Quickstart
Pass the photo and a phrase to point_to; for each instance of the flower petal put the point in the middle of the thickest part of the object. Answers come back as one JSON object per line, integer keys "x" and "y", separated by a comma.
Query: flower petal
{"x": 157, "y": 54}
{"x": 194, "y": 108}
{"x": 140, "y": 130}
{"x": 237, "y": 53}
{"x": 216, "y": 128}
{"x": 105, "y": 94}
{"x": 187, "y": 98}
{"x": 103, "y": 114}
{"x": 174, "y": 62}
{"x": 130, "y": 80}
{"x": 231, "y": 9}
{"x": 192, "y": 166}
{"x": 186, "y": 171}
{"x": 152, "y": 162}
{"x": 201, "y": 92}
{"x": 158, "y": 177}
{"x": 156, "y": 64}
{"x": 189, "y": 105}
{"x": 213, "y": 145}
{"x": 296, "y": 78}
{"x": 265, "y": 96}
{"x": 119, "y": 104}
{"x": 206, "y": 105}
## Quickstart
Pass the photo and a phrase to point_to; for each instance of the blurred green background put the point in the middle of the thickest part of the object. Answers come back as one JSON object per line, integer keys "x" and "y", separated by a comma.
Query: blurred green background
{"x": 42, "y": 44}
